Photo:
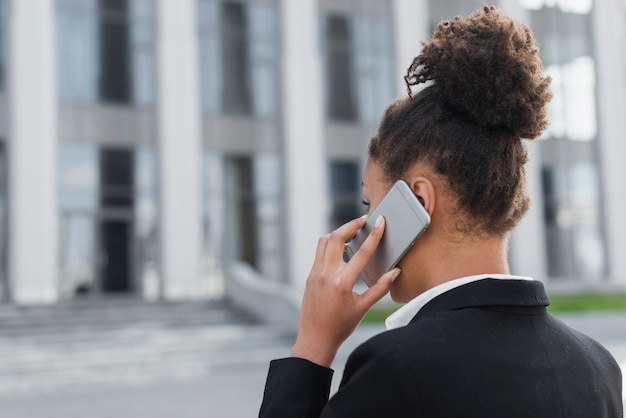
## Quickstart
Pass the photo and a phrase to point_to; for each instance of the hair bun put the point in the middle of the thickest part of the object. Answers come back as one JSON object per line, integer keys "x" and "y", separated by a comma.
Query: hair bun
{"x": 486, "y": 66}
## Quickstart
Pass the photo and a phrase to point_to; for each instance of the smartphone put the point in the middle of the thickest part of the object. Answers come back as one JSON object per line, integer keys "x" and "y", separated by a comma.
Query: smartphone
{"x": 405, "y": 220}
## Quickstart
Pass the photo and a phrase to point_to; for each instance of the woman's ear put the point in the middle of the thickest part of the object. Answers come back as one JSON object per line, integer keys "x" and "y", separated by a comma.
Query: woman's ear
{"x": 424, "y": 189}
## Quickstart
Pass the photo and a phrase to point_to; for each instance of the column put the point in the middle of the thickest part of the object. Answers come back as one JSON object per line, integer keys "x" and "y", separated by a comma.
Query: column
{"x": 33, "y": 211}
{"x": 306, "y": 193}
{"x": 179, "y": 148}
{"x": 527, "y": 252}
{"x": 610, "y": 43}
{"x": 412, "y": 27}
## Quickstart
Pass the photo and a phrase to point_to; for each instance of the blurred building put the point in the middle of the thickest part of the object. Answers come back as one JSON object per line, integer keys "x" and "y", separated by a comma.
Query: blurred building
{"x": 148, "y": 145}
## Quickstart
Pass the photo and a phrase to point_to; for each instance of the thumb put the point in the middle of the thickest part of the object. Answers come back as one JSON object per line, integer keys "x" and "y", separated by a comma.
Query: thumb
{"x": 380, "y": 289}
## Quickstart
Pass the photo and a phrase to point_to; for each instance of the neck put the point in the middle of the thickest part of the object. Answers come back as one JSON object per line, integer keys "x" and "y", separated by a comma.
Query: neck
{"x": 445, "y": 261}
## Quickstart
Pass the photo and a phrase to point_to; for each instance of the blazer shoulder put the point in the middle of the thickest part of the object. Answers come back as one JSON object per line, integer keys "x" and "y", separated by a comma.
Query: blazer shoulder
{"x": 410, "y": 337}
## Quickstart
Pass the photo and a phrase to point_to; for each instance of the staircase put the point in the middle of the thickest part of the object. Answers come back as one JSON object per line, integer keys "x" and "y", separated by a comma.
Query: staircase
{"x": 126, "y": 341}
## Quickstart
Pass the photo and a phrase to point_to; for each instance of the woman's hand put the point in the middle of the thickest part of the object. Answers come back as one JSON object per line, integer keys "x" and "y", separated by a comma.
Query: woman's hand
{"x": 331, "y": 310}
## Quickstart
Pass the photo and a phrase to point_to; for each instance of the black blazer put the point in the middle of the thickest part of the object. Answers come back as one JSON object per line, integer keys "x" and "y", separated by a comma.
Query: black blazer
{"x": 485, "y": 349}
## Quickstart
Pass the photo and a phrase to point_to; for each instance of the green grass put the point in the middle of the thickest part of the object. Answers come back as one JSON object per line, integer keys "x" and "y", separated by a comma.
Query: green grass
{"x": 588, "y": 302}
{"x": 377, "y": 314}
{"x": 559, "y": 303}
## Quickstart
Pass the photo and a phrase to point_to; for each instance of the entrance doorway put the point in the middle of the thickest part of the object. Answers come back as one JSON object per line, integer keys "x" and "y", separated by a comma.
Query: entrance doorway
{"x": 115, "y": 270}
{"x": 115, "y": 222}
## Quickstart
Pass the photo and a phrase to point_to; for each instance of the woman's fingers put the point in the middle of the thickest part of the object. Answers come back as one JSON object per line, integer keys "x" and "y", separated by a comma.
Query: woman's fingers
{"x": 378, "y": 290}
{"x": 337, "y": 239}
{"x": 360, "y": 259}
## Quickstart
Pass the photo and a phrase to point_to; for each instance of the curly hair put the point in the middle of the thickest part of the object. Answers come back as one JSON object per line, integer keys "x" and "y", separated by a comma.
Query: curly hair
{"x": 483, "y": 91}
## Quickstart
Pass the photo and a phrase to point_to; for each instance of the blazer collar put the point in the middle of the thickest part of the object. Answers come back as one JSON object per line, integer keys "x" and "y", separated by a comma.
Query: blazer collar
{"x": 526, "y": 296}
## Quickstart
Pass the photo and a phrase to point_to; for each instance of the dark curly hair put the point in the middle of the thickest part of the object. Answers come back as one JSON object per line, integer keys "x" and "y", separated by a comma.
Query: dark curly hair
{"x": 482, "y": 92}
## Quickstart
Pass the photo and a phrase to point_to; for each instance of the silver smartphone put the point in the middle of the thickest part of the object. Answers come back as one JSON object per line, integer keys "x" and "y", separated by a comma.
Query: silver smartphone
{"x": 405, "y": 220}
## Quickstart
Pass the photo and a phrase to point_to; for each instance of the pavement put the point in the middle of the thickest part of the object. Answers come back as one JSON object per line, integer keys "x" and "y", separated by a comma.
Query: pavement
{"x": 219, "y": 374}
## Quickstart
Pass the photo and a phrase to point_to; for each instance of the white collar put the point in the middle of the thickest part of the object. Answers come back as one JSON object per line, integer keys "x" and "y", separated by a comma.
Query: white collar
{"x": 403, "y": 316}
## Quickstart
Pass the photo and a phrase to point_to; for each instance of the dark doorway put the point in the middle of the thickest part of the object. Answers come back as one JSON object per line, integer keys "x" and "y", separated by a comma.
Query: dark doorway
{"x": 246, "y": 210}
{"x": 115, "y": 273}
{"x": 117, "y": 166}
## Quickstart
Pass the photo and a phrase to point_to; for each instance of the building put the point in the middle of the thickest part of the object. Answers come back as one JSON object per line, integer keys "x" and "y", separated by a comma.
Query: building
{"x": 148, "y": 145}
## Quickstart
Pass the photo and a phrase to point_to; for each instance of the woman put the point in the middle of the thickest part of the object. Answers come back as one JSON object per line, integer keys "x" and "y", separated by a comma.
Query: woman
{"x": 472, "y": 340}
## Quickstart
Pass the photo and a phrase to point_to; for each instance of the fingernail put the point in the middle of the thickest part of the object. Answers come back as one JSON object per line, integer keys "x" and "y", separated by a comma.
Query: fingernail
{"x": 396, "y": 273}
{"x": 379, "y": 220}
{"x": 365, "y": 216}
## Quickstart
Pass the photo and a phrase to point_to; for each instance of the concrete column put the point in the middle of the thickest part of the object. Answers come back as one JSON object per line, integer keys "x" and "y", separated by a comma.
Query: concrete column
{"x": 610, "y": 54}
{"x": 411, "y": 25}
{"x": 306, "y": 191}
{"x": 179, "y": 148}
{"x": 33, "y": 211}
{"x": 528, "y": 253}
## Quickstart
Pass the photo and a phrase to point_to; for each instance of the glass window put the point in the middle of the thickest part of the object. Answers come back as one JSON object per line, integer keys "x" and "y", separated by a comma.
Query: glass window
{"x": 345, "y": 192}
{"x": 78, "y": 176}
{"x": 106, "y": 50}
{"x": 341, "y": 100}
{"x": 3, "y": 222}
{"x": 241, "y": 210}
{"x": 77, "y": 32}
{"x": 573, "y": 111}
{"x": 3, "y": 25}
{"x": 238, "y": 57}
{"x": 573, "y": 222}
{"x": 78, "y": 202}
{"x": 115, "y": 81}
{"x": 254, "y": 212}
{"x": 358, "y": 67}
{"x": 213, "y": 215}
{"x": 235, "y": 92}
{"x": 565, "y": 40}
{"x": 145, "y": 239}
{"x": 108, "y": 230}
{"x": 142, "y": 40}
{"x": 116, "y": 178}
{"x": 267, "y": 174}
{"x": 77, "y": 253}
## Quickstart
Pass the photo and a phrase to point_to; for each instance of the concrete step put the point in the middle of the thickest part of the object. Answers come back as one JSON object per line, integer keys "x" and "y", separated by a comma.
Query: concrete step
{"x": 58, "y": 348}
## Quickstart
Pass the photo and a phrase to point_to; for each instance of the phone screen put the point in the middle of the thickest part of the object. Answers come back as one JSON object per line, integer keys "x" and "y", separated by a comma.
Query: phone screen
{"x": 405, "y": 220}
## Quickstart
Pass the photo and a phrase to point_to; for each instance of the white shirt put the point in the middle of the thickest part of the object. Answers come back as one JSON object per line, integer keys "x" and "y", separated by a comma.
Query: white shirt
{"x": 403, "y": 316}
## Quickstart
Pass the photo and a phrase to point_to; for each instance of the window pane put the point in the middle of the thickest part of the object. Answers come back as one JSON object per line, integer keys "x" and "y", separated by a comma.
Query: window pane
{"x": 115, "y": 83}
{"x": 77, "y": 253}
{"x": 267, "y": 172}
{"x": 239, "y": 57}
{"x": 341, "y": 103}
{"x": 213, "y": 216}
{"x": 3, "y": 221}
{"x": 3, "y": 21}
{"x": 78, "y": 63}
{"x": 106, "y": 51}
{"x": 236, "y": 97}
{"x": 573, "y": 222}
{"x": 345, "y": 192}
{"x": 145, "y": 249}
{"x": 359, "y": 67}
{"x": 78, "y": 176}
{"x": 116, "y": 178}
